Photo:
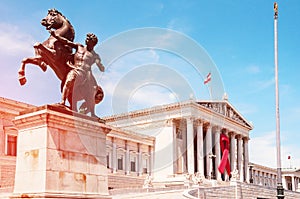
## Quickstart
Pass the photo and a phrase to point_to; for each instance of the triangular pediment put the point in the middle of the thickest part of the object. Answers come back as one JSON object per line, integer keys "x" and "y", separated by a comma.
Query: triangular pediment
{"x": 226, "y": 109}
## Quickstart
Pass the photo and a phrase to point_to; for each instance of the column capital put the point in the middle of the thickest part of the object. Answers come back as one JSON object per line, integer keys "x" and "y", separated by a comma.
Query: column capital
{"x": 239, "y": 136}
{"x": 246, "y": 139}
{"x": 199, "y": 122}
{"x": 217, "y": 129}
{"x": 190, "y": 119}
{"x": 232, "y": 133}
{"x": 224, "y": 130}
{"x": 170, "y": 122}
{"x": 207, "y": 125}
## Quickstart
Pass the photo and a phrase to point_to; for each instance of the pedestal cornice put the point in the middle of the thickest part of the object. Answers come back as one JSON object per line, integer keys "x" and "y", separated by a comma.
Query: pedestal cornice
{"x": 55, "y": 116}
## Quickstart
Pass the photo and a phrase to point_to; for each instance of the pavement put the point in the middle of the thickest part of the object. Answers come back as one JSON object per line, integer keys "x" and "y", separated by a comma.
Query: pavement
{"x": 176, "y": 194}
{"x": 173, "y": 194}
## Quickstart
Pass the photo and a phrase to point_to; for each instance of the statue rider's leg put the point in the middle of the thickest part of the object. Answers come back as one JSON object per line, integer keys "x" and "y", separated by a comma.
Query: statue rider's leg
{"x": 68, "y": 86}
{"x": 65, "y": 92}
{"x": 91, "y": 102}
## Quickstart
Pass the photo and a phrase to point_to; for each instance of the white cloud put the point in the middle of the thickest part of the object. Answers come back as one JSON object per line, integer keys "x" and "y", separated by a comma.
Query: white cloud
{"x": 246, "y": 109}
{"x": 41, "y": 87}
{"x": 262, "y": 151}
{"x": 253, "y": 69}
{"x": 179, "y": 24}
{"x": 150, "y": 95}
{"x": 139, "y": 80}
{"x": 261, "y": 85}
{"x": 265, "y": 84}
{"x": 14, "y": 41}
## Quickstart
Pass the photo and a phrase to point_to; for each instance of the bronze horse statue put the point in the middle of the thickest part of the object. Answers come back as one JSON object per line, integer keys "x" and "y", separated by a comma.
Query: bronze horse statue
{"x": 54, "y": 54}
{"x": 50, "y": 52}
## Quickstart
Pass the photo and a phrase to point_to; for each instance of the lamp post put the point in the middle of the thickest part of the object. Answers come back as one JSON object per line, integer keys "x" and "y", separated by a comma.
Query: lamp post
{"x": 280, "y": 190}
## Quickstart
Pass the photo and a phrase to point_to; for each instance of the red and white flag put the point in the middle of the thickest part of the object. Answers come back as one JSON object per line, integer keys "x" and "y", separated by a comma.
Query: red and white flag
{"x": 208, "y": 78}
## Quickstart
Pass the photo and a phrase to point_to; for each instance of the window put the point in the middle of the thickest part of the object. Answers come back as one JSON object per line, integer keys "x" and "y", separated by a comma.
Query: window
{"x": 107, "y": 161}
{"x": 132, "y": 164}
{"x": 145, "y": 164}
{"x": 108, "y": 157}
{"x": 11, "y": 146}
{"x": 120, "y": 163}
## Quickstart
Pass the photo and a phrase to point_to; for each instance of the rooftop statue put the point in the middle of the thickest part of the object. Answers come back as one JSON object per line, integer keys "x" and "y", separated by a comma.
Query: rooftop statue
{"x": 73, "y": 69}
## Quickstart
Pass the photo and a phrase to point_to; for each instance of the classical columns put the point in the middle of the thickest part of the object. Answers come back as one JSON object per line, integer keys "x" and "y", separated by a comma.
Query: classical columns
{"x": 190, "y": 145}
{"x": 175, "y": 146}
{"x": 114, "y": 156}
{"x": 127, "y": 159}
{"x": 140, "y": 161}
{"x": 246, "y": 158}
{"x": 151, "y": 160}
{"x": 284, "y": 184}
{"x": 240, "y": 165}
{"x": 232, "y": 151}
{"x": 254, "y": 176}
{"x": 217, "y": 152}
{"x": 293, "y": 184}
{"x": 2, "y": 143}
{"x": 208, "y": 154}
{"x": 184, "y": 148}
{"x": 200, "y": 154}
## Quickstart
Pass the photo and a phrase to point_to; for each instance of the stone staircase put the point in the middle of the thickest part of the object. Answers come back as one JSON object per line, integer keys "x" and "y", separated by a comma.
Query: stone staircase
{"x": 120, "y": 181}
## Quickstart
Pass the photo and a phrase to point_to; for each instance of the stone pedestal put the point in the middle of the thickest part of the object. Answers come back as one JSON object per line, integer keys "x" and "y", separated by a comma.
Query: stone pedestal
{"x": 61, "y": 154}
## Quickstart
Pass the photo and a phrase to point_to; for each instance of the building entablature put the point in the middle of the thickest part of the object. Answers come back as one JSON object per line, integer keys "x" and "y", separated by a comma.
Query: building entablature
{"x": 263, "y": 169}
{"x": 131, "y": 136}
{"x": 216, "y": 113}
{"x": 225, "y": 109}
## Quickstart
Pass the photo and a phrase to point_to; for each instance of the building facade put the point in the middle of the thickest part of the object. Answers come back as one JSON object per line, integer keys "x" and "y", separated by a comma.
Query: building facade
{"x": 166, "y": 141}
{"x": 129, "y": 153}
{"x": 8, "y": 139}
{"x": 188, "y": 137}
{"x": 267, "y": 177}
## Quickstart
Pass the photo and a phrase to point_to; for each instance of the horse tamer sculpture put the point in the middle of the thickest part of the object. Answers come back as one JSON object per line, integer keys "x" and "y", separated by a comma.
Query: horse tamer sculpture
{"x": 54, "y": 53}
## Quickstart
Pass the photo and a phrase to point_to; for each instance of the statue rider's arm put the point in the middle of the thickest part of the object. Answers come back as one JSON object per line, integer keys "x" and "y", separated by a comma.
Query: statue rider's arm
{"x": 63, "y": 40}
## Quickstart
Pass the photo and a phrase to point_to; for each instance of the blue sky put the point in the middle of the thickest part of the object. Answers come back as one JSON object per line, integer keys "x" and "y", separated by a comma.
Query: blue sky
{"x": 236, "y": 35}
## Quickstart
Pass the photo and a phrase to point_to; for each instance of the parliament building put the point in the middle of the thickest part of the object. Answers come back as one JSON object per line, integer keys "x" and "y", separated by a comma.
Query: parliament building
{"x": 165, "y": 146}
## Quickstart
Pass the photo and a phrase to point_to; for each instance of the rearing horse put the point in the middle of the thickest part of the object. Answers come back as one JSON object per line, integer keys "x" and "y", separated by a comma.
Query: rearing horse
{"x": 58, "y": 56}
{"x": 51, "y": 52}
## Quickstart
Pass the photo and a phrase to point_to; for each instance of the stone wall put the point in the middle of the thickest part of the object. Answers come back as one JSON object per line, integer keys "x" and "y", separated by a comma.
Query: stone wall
{"x": 8, "y": 176}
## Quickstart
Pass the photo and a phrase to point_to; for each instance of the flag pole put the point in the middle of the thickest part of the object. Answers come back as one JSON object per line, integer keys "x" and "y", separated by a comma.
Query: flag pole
{"x": 280, "y": 190}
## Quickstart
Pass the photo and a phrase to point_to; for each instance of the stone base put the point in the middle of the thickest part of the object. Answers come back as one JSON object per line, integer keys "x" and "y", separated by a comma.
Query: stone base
{"x": 60, "y": 154}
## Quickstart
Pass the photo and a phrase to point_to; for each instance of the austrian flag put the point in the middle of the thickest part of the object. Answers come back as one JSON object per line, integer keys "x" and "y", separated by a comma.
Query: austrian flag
{"x": 208, "y": 78}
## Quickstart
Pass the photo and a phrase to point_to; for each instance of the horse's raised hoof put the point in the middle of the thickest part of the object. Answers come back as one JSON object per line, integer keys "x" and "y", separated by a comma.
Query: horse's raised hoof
{"x": 22, "y": 80}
